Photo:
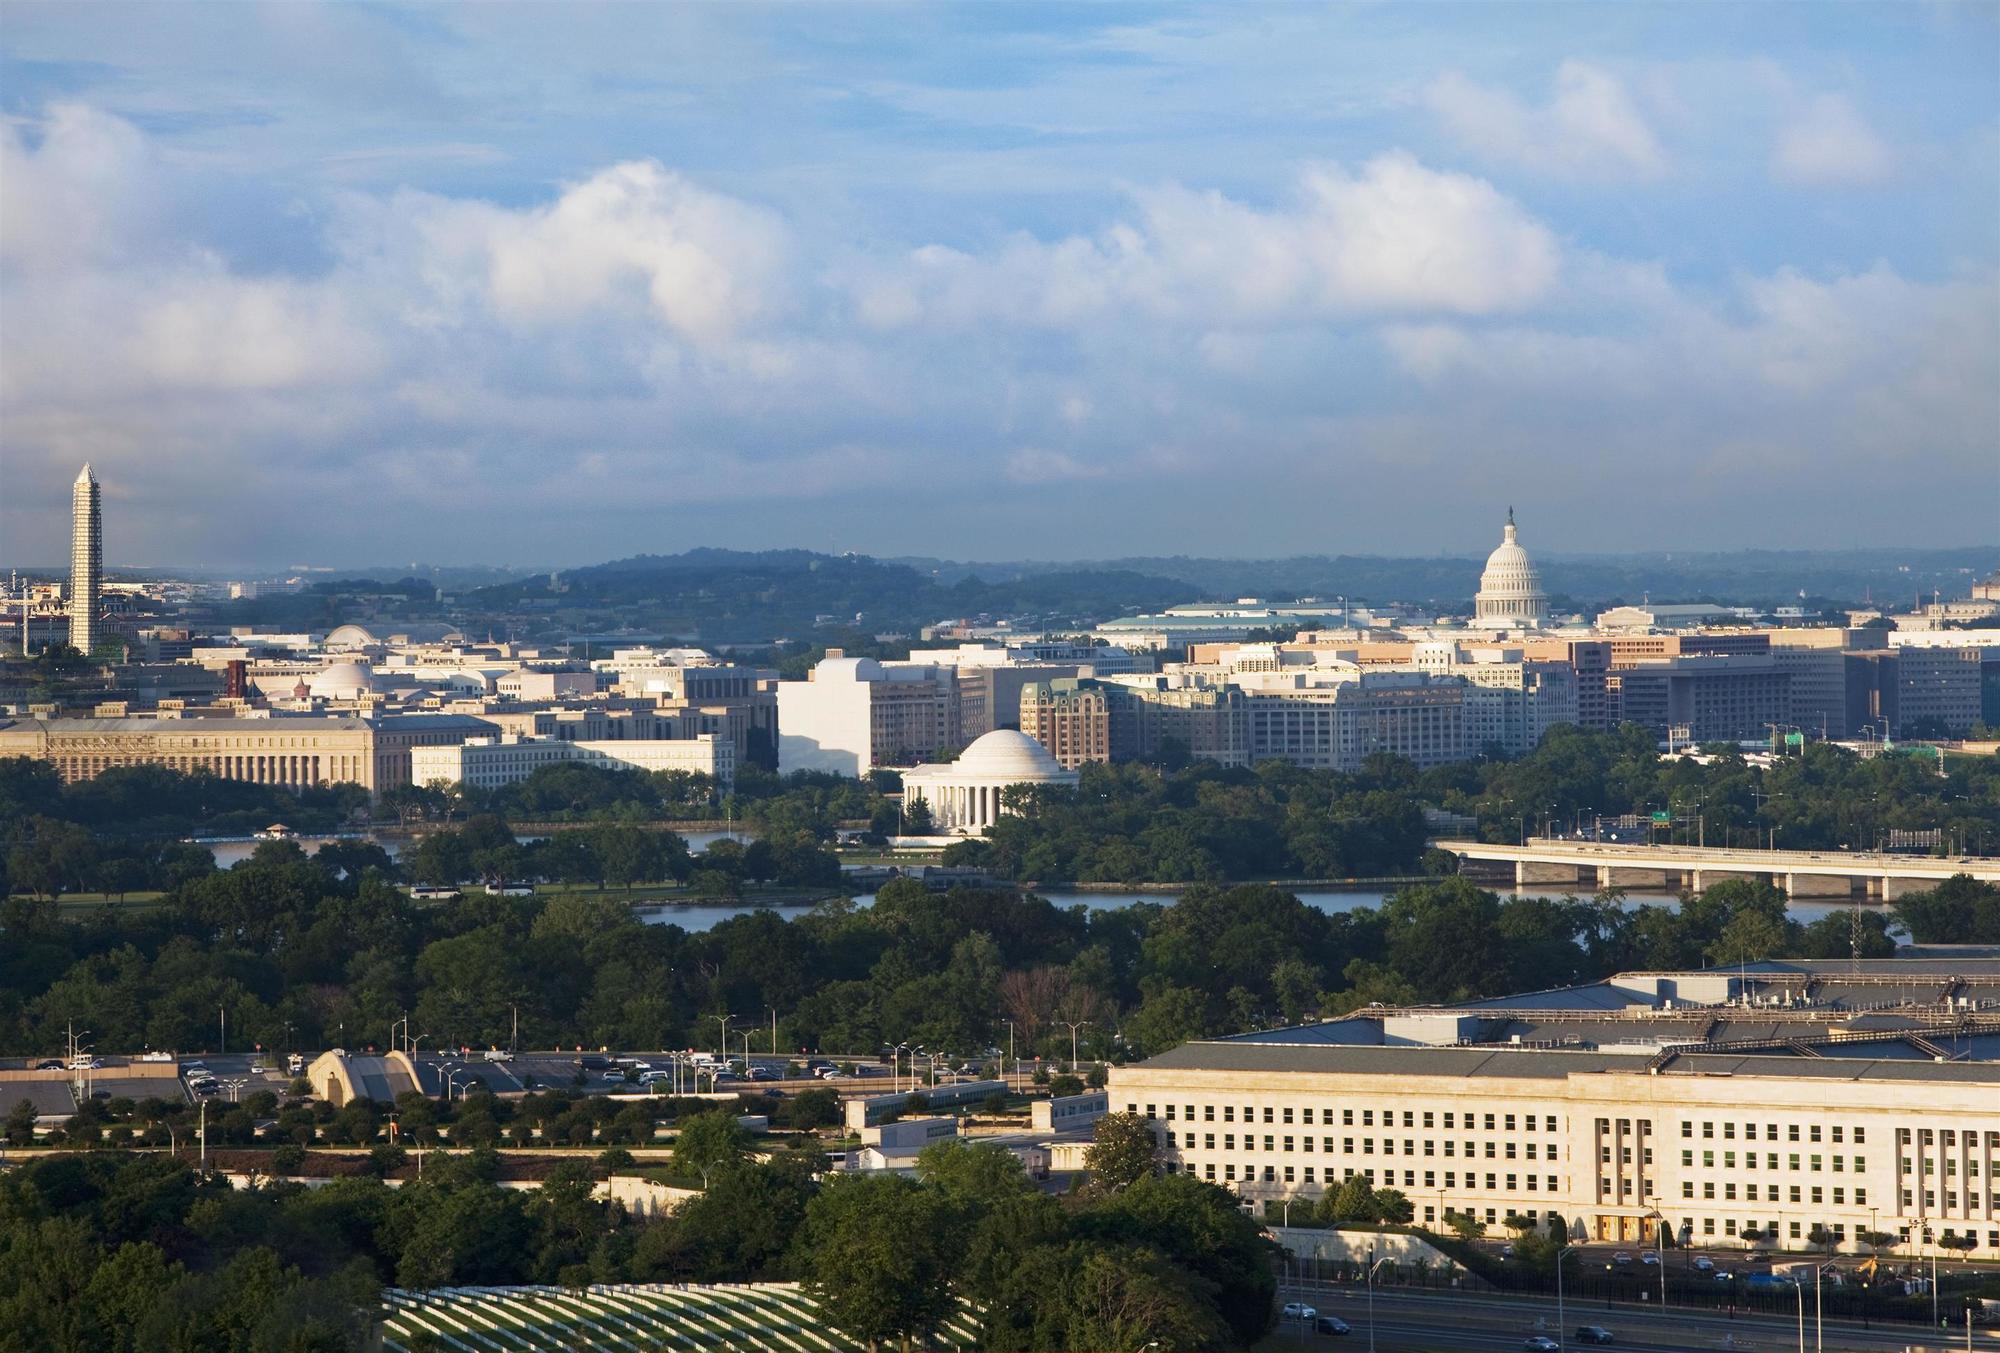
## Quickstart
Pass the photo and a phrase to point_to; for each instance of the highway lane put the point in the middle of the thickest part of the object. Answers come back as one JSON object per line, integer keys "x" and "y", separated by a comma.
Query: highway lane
{"x": 1419, "y": 1323}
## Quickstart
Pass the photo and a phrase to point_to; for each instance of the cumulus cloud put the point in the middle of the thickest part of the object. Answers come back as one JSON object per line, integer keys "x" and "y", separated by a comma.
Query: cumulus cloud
{"x": 1395, "y": 237}
{"x": 1828, "y": 142}
{"x": 1589, "y": 128}
{"x": 641, "y": 347}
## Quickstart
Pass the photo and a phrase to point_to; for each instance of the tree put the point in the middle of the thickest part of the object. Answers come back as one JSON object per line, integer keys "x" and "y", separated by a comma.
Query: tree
{"x": 973, "y": 1176}
{"x": 1467, "y": 1226}
{"x": 1133, "y": 1297}
{"x": 1123, "y": 1150}
{"x": 709, "y": 1140}
{"x": 873, "y": 1250}
{"x": 1353, "y": 1201}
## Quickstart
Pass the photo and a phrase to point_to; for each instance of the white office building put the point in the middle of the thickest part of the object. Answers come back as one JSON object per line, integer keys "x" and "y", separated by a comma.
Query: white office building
{"x": 490, "y": 763}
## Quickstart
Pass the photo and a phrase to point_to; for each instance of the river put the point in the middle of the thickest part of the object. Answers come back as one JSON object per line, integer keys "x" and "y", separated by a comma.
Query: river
{"x": 704, "y": 915}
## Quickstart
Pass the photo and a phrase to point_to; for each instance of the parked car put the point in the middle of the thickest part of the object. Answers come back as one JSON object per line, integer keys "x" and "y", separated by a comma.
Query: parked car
{"x": 1651, "y": 1257}
{"x": 1332, "y": 1324}
{"x": 1298, "y": 1310}
{"x": 1594, "y": 1334}
{"x": 1704, "y": 1264}
{"x": 1622, "y": 1259}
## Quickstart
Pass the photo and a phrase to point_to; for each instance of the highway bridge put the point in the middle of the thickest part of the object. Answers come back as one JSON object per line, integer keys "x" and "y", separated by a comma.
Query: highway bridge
{"x": 1800, "y": 873}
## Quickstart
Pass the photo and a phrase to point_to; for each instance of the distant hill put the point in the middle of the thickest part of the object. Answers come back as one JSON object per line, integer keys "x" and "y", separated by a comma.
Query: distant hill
{"x": 735, "y": 596}
{"x": 738, "y": 596}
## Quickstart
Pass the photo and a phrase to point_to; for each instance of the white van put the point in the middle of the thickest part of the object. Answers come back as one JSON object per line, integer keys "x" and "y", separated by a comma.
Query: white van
{"x": 495, "y": 1055}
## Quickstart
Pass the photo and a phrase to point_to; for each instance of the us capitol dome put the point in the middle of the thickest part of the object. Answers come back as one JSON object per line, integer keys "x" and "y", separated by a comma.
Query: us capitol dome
{"x": 1510, "y": 590}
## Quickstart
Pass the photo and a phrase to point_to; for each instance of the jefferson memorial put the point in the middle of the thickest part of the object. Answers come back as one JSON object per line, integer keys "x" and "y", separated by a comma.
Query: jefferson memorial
{"x": 965, "y": 795}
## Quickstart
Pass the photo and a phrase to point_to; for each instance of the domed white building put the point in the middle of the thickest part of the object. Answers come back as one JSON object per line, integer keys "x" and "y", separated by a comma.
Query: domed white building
{"x": 341, "y": 681}
{"x": 1510, "y": 590}
{"x": 965, "y": 795}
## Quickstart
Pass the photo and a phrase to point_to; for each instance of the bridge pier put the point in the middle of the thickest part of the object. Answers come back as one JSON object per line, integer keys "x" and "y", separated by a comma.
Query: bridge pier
{"x": 1892, "y": 888}
{"x": 1528, "y": 872}
{"x": 1818, "y": 885}
{"x": 1617, "y": 876}
{"x": 1701, "y": 880}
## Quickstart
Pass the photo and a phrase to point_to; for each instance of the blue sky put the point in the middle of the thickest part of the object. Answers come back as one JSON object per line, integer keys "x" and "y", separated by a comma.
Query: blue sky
{"x": 555, "y": 283}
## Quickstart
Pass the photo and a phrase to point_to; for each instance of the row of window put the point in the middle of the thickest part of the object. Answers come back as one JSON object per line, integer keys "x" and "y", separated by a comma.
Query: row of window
{"x": 1814, "y": 1163}
{"x": 1946, "y": 1137}
{"x": 1492, "y": 1122}
{"x": 1813, "y": 1130}
{"x": 1274, "y": 1142}
{"x": 1950, "y": 1200}
{"x": 1771, "y": 1194}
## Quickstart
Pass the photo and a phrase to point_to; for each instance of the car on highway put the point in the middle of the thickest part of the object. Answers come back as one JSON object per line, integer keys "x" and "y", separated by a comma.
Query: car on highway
{"x": 156, "y": 1057}
{"x": 495, "y": 1055}
{"x": 1594, "y": 1334}
{"x": 1298, "y": 1310}
{"x": 1332, "y": 1324}
{"x": 52, "y": 1064}
{"x": 1541, "y": 1343}
{"x": 763, "y": 1073}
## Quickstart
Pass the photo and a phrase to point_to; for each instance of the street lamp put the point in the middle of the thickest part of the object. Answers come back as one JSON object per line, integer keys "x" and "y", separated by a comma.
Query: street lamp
{"x": 1073, "y": 1026}
{"x": 1562, "y": 1322}
{"x": 1373, "y": 1265}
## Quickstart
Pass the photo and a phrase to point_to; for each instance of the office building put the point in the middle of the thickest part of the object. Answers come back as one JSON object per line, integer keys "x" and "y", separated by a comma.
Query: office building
{"x": 1335, "y": 720}
{"x": 490, "y": 763}
{"x": 1705, "y": 698}
{"x": 86, "y": 560}
{"x": 292, "y": 751}
{"x": 1776, "y": 1097}
{"x": 853, "y": 714}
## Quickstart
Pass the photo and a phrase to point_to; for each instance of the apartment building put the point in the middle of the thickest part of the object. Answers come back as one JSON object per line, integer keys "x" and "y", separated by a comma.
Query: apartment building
{"x": 1070, "y": 717}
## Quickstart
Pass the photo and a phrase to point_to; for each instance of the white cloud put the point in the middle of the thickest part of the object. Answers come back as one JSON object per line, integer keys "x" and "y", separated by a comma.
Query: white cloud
{"x": 1829, "y": 142}
{"x": 88, "y": 191}
{"x": 1589, "y": 128}
{"x": 1397, "y": 237}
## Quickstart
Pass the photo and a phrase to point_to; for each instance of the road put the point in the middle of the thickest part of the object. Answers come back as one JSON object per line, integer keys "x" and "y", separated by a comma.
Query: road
{"x": 1435, "y": 1323}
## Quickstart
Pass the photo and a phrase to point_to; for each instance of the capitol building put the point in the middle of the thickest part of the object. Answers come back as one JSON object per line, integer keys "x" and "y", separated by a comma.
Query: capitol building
{"x": 1510, "y": 590}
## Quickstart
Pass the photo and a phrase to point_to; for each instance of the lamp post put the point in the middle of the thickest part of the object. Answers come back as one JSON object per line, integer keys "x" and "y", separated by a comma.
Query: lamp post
{"x": 1799, "y": 1291}
{"x": 1660, "y": 1248}
{"x": 1819, "y": 1323}
{"x": 1010, "y": 1054}
{"x": 1372, "y": 1266}
{"x": 1562, "y": 1320}
{"x": 1073, "y": 1026}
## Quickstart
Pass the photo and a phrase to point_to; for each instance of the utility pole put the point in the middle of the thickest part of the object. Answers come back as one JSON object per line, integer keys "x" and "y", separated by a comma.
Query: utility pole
{"x": 204, "y": 1138}
{"x": 222, "y": 1015}
{"x": 774, "y": 1031}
